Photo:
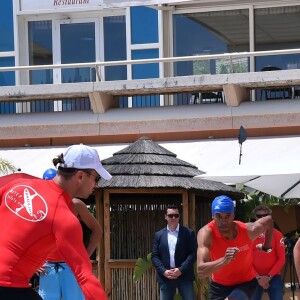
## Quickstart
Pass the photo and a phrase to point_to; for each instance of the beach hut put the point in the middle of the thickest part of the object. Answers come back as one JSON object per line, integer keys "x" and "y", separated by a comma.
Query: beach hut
{"x": 131, "y": 207}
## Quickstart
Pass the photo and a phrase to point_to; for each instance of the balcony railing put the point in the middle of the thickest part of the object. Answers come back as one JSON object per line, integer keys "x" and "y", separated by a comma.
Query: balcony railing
{"x": 168, "y": 94}
{"x": 98, "y": 65}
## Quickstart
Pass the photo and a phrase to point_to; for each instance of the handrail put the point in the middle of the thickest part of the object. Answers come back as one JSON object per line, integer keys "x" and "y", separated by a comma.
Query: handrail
{"x": 153, "y": 60}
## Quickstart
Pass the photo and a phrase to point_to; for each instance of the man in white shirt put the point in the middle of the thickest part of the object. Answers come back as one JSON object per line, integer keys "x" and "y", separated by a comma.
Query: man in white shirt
{"x": 173, "y": 255}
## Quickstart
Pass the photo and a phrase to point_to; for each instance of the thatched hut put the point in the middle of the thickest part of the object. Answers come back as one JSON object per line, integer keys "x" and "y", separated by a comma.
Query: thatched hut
{"x": 131, "y": 207}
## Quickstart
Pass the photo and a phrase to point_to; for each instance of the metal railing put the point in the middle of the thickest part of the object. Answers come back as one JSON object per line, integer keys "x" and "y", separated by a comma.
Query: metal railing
{"x": 97, "y": 65}
{"x": 182, "y": 99}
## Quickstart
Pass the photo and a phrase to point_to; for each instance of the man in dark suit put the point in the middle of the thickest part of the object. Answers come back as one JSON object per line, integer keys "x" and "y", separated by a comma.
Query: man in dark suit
{"x": 173, "y": 255}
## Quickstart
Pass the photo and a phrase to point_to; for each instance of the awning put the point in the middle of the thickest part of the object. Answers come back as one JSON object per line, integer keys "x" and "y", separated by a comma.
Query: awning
{"x": 260, "y": 156}
{"x": 35, "y": 160}
{"x": 48, "y": 6}
{"x": 127, "y": 3}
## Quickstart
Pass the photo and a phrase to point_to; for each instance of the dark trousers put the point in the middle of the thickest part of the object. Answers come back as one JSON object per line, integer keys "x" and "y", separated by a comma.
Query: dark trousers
{"x": 243, "y": 291}
{"x": 11, "y": 293}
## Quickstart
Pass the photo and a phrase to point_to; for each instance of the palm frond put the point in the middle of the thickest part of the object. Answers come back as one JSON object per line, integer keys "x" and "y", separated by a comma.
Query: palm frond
{"x": 6, "y": 167}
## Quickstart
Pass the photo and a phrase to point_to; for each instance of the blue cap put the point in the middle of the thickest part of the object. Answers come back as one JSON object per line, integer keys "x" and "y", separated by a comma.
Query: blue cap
{"x": 222, "y": 204}
{"x": 49, "y": 174}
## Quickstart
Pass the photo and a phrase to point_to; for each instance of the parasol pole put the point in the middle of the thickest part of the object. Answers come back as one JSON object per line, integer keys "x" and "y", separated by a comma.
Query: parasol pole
{"x": 242, "y": 138}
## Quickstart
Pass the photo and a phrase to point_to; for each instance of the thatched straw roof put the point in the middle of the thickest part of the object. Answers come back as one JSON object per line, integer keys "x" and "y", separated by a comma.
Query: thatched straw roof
{"x": 145, "y": 164}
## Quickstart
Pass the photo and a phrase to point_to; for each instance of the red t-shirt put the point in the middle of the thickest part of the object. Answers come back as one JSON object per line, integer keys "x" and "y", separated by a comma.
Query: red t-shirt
{"x": 35, "y": 219}
{"x": 240, "y": 268}
{"x": 269, "y": 263}
{"x": 55, "y": 256}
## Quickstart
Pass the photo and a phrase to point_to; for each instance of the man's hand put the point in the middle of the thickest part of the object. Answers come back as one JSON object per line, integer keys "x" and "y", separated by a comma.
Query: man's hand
{"x": 261, "y": 247}
{"x": 263, "y": 281}
{"x": 172, "y": 274}
{"x": 176, "y": 272}
{"x": 230, "y": 254}
{"x": 42, "y": 270}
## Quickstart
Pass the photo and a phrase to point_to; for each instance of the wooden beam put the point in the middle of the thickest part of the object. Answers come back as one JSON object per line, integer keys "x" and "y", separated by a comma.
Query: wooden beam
{"x": 145, "y": 191}
{"x": 122, "y": 263}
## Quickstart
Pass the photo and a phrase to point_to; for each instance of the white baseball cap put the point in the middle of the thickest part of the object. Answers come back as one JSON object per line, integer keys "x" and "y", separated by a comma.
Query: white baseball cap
{"x": 84, "y": 157}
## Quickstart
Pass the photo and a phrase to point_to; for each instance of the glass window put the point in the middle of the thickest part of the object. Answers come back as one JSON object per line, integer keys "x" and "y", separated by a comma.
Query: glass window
{"x": 7, "y": 78}
{"x": 6, "y": 26}
{"x": 77, "y": 46}
{"x": 115, "y": 46}
{"x": 144, "y": 25}
{"x": 143, "y": 71}
{"x": 40, "y": 51}
{"x": 211, "y": 33}
{"x": 277, "y": 28}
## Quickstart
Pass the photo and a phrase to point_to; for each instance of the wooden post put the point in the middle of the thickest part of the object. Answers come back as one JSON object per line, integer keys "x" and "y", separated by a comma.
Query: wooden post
{"x": 185, "y": 208}
{"x": 192, "y": 211}
{"x": 100, "y": 219}
{"x": 107, "y": 269}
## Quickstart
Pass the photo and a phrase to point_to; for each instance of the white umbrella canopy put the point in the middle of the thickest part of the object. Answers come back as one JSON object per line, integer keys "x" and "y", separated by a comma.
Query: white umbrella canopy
{"x": 279, "y": 185}
{"x": 228, "y": 179}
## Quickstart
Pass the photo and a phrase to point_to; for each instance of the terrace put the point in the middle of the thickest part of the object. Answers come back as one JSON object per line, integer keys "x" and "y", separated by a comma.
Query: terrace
{"x": 105, "y": 109}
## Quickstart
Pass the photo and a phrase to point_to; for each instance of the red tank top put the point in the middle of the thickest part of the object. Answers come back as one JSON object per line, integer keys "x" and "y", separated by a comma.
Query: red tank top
{"x": 240, "y": 269}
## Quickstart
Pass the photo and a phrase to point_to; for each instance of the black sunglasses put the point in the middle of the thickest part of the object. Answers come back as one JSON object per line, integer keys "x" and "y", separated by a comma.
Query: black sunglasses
{"x": 261, "y": 216}
{"x": 171, "y": 216}
{"x": 97, "y": 177}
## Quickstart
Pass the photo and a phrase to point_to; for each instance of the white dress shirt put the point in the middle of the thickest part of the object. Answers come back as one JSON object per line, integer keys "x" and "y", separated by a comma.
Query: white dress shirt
{"x": 172, "y": 241}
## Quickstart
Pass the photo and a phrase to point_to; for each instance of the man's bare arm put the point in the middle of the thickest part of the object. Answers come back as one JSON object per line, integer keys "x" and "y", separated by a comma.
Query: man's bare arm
{"x": 297, "y": 258}
{"x": 205, "y": 267}
{"x": 264, "y": 225}
{"x": 86, "y": 217}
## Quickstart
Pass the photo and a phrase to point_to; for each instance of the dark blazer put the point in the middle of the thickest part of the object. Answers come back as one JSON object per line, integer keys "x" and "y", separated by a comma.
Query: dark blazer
{"x": 185, "y": 253}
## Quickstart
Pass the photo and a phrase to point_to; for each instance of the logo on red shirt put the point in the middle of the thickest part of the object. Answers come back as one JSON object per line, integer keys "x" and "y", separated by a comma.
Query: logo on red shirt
{"x": 26, "y": 203}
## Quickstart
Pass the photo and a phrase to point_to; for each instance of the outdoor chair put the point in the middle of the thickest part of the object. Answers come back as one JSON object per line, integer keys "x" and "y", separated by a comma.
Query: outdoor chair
{"x": 275, "y": 93}
{"x": 207, "y": 97}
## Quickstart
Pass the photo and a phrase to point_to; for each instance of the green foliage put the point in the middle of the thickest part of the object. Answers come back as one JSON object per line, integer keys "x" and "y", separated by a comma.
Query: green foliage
{"x": 200, "y": 286}
{"x": 141, "y": 266}
{"x": 201, "y": 67}
{"x": 6, "y": 167}
{"x": 252, "y": 199}
{"x": 233, "y": 65}
{"x": 92, "y": 209}
{"x": 177, "y": 296}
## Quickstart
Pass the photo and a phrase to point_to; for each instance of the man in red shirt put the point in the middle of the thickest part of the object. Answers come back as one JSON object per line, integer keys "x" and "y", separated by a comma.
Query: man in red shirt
{"x": 268, "y": 265}
{"x": 36, "y": 218}
{"x": 225, "y": 252}
{"x": 296, "y": 252}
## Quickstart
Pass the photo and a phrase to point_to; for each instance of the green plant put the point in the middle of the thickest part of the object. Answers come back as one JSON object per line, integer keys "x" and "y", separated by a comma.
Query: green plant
{"x": 141, "y": 266}
{"x": 6, "y": 167}
{"x": 254, "y": 198}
